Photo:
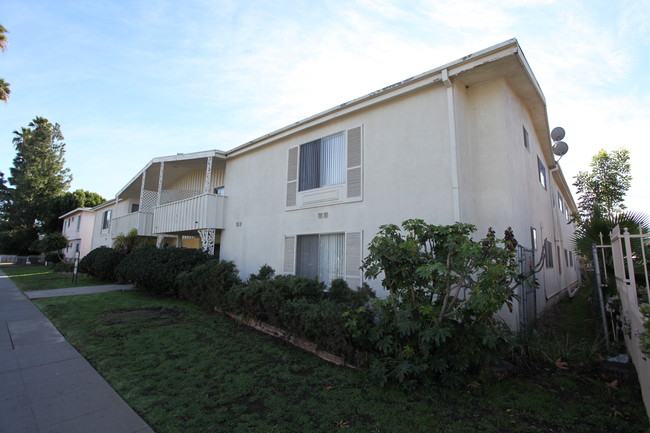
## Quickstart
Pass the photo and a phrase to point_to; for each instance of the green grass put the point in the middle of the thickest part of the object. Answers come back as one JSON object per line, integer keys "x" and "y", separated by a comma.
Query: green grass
{"x": 186, "y": 370}
{"x": 43, "y": 278}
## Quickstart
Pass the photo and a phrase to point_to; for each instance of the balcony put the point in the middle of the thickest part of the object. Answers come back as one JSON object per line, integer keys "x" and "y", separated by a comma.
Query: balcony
{"x": 142, "y": 221}
{"x": 186, "y": 216}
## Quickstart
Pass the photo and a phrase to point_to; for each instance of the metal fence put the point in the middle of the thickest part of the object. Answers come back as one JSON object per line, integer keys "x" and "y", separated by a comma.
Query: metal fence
{"x": 22, "y": 260}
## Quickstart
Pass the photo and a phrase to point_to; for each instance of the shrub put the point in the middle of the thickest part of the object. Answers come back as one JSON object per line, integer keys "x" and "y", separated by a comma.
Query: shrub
{"x": 155, "y": 270}
{"x": 104, "y": 264}
{"x": 62, "y": 267}
{"x": 208, "y": 284}
{"x": 87, "y": 261}
{"x": 340, "y": 292}
{"x": 53, "y": 257}
{"x": 437, "y": 323}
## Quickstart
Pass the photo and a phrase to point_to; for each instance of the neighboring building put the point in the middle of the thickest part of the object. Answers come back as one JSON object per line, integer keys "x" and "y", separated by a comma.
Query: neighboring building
{"x": 101, "y": 234}
{"x": 468, "y": 141}
{"x": 78, "y": 229}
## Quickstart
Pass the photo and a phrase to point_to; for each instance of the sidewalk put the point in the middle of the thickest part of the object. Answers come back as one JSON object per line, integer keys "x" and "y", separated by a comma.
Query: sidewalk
{"x": 45, "y": 384}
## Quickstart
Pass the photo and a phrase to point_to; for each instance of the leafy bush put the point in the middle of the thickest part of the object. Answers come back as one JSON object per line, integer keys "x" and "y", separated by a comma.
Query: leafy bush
{"x": 87, "y": 261}
{"x": 207, "y": 284}
{"x": 155, "y": 270}
{"x": 104, "y": 264}
{"x": 437, "y": 323}
{"x": 62, "y": 267}
{"x": 53, "y": 257}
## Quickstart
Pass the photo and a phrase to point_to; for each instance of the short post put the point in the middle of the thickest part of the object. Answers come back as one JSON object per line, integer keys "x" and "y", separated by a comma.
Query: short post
{"x": 75, "y": 271}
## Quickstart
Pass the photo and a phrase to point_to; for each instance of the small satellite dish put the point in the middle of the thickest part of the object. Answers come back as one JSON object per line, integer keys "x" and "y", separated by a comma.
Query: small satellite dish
{"x": 560, "y": 148}
{"x": 557, "y": 134}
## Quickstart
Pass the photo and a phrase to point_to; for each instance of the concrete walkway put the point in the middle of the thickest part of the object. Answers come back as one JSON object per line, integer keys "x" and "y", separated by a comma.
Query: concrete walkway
{"x": 45, "y": 384}
{"x": 38, "y": 294}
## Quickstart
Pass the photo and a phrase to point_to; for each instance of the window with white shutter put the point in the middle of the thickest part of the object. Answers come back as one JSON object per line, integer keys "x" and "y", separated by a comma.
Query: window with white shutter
{"x": 326, "y": 256}
{"x": 325, "y": 171}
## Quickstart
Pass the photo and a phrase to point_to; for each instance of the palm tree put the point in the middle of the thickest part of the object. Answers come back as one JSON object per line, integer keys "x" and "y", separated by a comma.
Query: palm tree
{"x": 3, "y": 38}
{"x": 4, "y": 86}
{"x": 4, "y": 90}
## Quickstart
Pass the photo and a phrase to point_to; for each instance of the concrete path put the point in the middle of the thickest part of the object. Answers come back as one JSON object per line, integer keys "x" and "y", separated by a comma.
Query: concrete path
{"x": 38, "y": 294}
{"x": 45, "y": 384}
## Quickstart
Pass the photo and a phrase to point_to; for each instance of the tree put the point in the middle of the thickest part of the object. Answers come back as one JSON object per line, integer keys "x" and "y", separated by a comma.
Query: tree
{"x": 606, "y": 185}
{"x": 38, "y": 176}
{"x": 63, "y": 204}
{"x": 4, "y": 86}
{"x": 3, "y": 38}
{"x": 4, "y": 90}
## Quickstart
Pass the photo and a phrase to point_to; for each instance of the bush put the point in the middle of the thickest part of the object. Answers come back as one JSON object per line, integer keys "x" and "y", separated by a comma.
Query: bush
{"x": 155, "y": 270}
{"x": 62, "y": 267}
{"x": 87, "y": 261}
{"x": 52, "y": 257}
{"x": 104, "y": 264}
{"x": 208, "y": 284}
{"x": 437, "y": 323}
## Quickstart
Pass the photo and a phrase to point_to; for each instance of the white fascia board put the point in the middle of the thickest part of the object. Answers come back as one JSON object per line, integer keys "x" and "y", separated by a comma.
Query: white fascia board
{"x": 77, "y": 210}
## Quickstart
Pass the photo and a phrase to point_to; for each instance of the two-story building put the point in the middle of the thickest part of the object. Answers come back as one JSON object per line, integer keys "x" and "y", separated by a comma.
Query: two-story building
{"x": 78, "y": 229}
{"x": 468, "y": 141}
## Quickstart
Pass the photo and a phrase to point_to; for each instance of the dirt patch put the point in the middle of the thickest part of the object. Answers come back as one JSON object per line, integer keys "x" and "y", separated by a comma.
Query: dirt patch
{"x": 147, "y": 316}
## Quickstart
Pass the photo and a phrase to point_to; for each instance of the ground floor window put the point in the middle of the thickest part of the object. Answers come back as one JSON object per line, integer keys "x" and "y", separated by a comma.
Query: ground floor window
{"x": 321, "y": 256}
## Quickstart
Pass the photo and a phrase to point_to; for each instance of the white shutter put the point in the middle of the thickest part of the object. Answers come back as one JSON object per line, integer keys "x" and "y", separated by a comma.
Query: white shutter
{"x": 289, "y": 255}
{"x": 354, "y": 181}
{"x": 353, "y": 251}
{"x": 292, "y": 177}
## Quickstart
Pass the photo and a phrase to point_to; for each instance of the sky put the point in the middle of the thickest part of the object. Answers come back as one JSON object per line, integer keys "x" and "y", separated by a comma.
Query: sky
{"x": 131, "y": 80}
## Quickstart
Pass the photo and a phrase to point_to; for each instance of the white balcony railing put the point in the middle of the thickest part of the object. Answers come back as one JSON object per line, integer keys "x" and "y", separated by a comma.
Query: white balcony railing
{"x": 201, "y": 212}
{"x": 142, "y": 221}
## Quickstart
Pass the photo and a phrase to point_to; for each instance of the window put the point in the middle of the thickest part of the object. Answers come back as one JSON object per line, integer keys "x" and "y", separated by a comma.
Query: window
{"x": 332, "y": 163}
{"x": 571, "y": 258}
{"x": 533, "y": 237}
{"x": 78, "y": 222}
{"x": 325, "y": 256}
{"x": 221, "y": 190}
{"x": 559, "y": 260}
{"x": 321, "y": 256}
{"x": 135, "y": 207}
{"x": 542, "y": 172}
{"x": 560, "y": 203}
{"x": 526, "y": 139}
{"x": 106, "y": 219}
{"x": 566, "y": 257}
{"x": 548, "y": 247}
{"x": 322, "y": 162}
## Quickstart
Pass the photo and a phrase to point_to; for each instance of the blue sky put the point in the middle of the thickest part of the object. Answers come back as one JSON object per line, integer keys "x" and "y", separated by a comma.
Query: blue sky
{"x": 131, "y": 80}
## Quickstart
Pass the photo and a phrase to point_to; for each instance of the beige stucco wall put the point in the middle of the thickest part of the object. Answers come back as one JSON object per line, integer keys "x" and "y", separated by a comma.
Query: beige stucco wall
{"x": 407, "y": 174}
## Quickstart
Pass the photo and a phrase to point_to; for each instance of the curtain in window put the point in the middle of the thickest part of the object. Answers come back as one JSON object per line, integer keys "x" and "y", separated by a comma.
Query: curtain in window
{"x": 307, "y": 256}
{"x": 309, "y": 166}
{"x": 332, "y": 160}
{"x": 332, "y": 256}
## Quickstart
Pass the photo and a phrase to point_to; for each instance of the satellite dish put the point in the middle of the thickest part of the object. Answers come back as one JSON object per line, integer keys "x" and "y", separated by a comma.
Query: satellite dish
{"x": 560, "y": 148}
{"x": 557, "y": 134}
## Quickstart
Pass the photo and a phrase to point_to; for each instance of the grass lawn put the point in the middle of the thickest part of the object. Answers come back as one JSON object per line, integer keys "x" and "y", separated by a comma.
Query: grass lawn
{"x": 186, "y": 370}
{"x": 44, "y": 278}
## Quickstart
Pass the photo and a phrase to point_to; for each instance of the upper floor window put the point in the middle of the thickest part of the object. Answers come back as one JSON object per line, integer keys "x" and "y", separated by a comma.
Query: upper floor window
{"x": 542, "y": 172}
{"x": 526, "y": 139}
{"x": 322, "y": 162}
{"x": 326, "y": 170}
{"x": 560, "y": 203}
{"x": 78, "y": 222}
{"x": 106, "y": 219}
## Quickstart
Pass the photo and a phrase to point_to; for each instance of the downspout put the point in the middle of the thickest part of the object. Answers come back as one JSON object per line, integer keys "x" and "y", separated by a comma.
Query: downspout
{"x": 453, "y": 145}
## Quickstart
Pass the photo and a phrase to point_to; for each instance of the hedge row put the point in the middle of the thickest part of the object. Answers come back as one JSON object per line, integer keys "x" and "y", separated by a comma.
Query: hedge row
{"x": 148, "y": 268}
{"x": 301, "y": 306}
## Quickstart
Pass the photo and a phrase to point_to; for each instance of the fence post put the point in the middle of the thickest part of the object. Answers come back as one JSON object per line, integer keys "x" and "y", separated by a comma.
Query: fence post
{"x": 599, "y": 289}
